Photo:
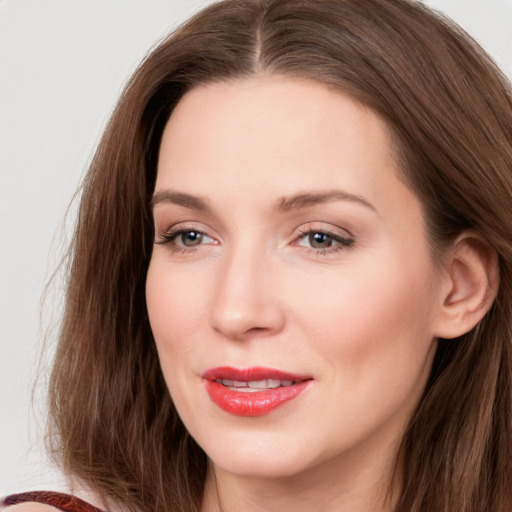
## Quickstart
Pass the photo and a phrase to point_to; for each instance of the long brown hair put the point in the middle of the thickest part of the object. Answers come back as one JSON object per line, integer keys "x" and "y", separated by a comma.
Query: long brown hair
{"x": 450, "y": 109}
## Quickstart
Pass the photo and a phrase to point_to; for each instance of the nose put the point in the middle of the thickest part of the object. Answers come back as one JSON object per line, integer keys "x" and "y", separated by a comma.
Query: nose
{"x": 246, "y": 300}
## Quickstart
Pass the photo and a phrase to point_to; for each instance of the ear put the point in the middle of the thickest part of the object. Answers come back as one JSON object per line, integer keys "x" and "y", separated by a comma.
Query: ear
{"x": 470, "y": 285}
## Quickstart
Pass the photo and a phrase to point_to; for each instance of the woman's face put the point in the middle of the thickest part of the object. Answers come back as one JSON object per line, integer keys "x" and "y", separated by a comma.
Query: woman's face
{"x": 291, "y": 290}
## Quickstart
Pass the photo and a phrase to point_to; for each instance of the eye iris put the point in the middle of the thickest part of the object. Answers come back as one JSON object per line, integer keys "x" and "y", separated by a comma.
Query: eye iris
{"x": 191, "y": 238}
{"x": 320, "y": 240}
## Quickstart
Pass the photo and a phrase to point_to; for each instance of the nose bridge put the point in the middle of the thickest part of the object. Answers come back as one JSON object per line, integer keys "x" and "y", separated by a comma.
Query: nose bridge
{"x": 244, "y": 302}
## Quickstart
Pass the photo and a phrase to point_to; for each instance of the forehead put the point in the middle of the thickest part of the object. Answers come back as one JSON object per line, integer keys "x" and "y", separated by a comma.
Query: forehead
{"x": 278, "y": 134}
{"x": 268, "y": 105}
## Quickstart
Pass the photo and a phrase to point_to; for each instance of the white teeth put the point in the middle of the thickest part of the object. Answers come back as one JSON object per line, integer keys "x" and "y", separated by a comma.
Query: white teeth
{"x": 255, "y": 384}
{"x": 258, "y": 384}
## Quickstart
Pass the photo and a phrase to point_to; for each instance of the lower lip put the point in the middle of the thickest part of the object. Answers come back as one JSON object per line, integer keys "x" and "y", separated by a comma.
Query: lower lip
{"x": 252, "y": 403}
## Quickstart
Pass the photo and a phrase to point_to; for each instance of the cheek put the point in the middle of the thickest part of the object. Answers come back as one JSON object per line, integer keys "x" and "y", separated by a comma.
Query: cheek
{"x": 378, "y": 315}
{"x": 175, "y": 312}
{"x": 372, "y": 329}
{"x": 174, "y": 308}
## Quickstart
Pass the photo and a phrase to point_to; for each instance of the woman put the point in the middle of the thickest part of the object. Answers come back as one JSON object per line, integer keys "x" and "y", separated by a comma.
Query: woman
{"x": 291, "y": 276}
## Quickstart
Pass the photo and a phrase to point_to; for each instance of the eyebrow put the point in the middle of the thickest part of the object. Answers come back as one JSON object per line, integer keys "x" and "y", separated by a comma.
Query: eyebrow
{"x": 298, "y": 201}
{"x": 180, "y": 199}
{"x": 307, "y": 199}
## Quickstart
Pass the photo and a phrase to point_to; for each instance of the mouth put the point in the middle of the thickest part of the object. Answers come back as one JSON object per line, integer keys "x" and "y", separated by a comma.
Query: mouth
{"x": 253, "y": 391}
{"x": 253, "y": 386}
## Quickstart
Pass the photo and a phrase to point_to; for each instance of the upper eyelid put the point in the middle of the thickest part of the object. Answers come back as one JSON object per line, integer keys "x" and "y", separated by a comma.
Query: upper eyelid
{"x": 174, "y": 231}
{"x": 182, "y": 226}
{"x": 324, "y": 227}
{"x": 299, "y": 231}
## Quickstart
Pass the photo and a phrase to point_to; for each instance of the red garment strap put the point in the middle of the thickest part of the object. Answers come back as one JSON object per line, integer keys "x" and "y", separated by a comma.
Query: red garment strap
{"x": 59, "y": 500}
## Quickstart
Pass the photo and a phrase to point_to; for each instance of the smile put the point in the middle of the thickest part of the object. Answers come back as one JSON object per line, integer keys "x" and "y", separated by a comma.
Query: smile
{"x": 254, "y": 391}
{"x": 255, "y": 385}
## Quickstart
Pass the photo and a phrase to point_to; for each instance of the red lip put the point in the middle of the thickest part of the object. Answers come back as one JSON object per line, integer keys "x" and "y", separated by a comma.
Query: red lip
{"x": 251, "y": 403}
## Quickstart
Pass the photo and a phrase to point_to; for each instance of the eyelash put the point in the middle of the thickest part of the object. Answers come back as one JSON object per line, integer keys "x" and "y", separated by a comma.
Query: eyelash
{"x": 339, "y": 243}
{"x": 169, "y": 238}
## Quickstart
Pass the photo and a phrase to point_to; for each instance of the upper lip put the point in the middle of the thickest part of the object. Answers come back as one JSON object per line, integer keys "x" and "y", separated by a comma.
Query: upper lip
{"x": 255, "y": 373}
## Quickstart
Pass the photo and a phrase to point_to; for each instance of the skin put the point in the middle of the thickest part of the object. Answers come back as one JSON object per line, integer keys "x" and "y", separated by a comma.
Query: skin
{"x": 255, "y": 290}
{"x": 358, "y": 310}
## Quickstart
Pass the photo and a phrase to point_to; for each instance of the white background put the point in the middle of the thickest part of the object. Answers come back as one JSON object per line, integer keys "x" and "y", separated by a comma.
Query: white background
{"x": 62, "y": 66}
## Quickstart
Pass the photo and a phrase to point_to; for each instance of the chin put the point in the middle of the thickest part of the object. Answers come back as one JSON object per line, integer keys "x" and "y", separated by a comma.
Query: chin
{"x": 259, "y": 456}
{"x": 259, "y": 467}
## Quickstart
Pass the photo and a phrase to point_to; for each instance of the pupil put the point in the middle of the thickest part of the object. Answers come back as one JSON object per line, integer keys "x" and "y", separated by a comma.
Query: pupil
{"x": 191, "y": 238}
{"x": 319, "y": 240}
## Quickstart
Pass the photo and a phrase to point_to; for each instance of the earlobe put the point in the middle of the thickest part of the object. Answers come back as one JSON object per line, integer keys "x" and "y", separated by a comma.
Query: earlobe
{"x": 471, "y": 284}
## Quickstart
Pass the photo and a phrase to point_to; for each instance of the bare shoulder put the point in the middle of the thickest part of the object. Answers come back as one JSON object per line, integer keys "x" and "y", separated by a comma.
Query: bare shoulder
{"x": 30, "y": 506}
